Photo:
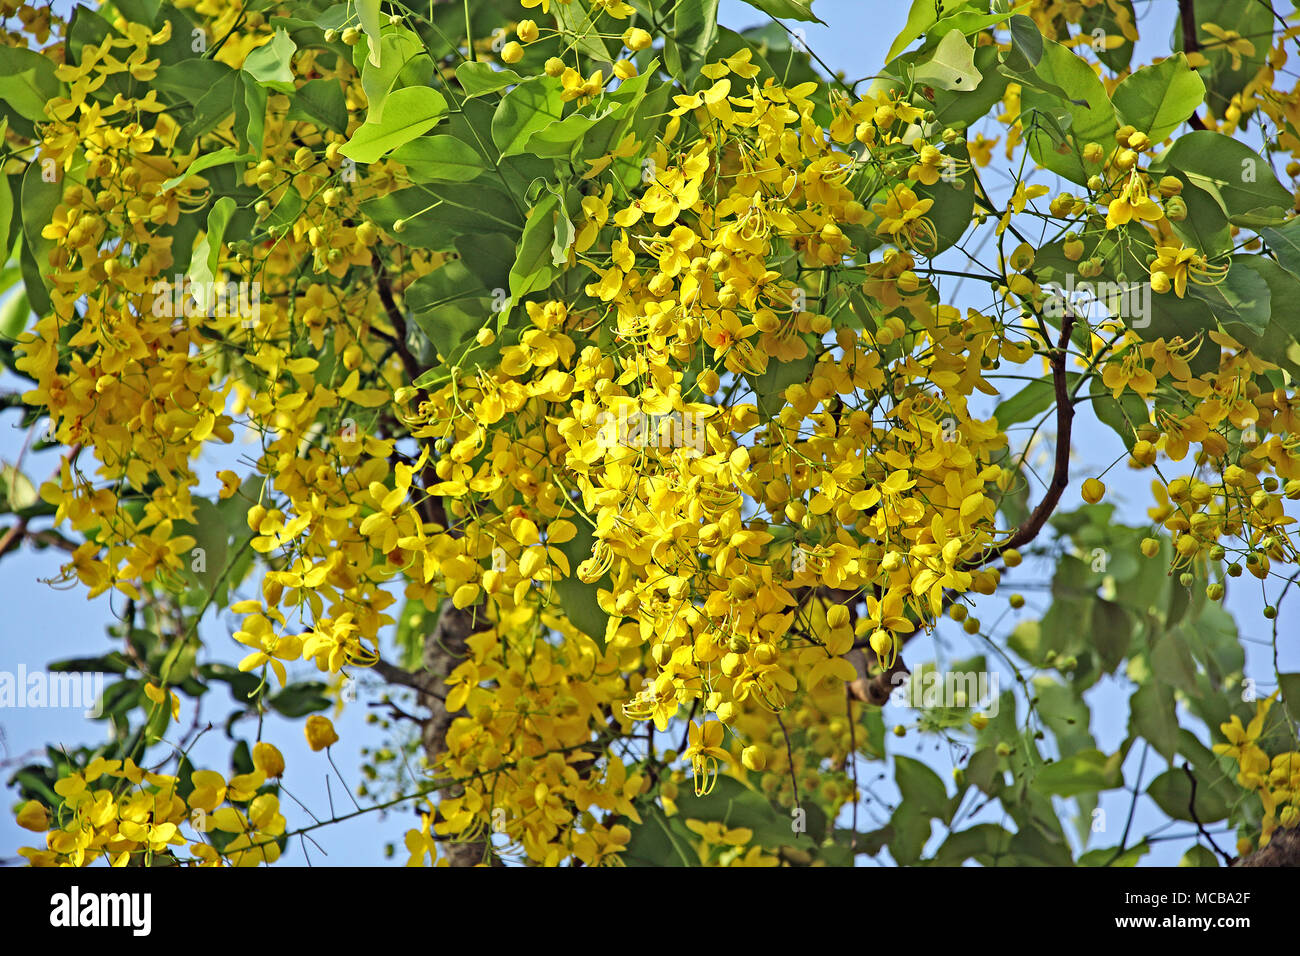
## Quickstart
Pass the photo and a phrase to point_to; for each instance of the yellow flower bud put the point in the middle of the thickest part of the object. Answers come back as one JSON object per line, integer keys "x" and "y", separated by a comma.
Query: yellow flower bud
{"x": 1093, "y": 491}
{"x": 753, "y": 758}
{"x": 320, "y": 733}
{"x": 634, "y": 38}
{"x": 33, "y": 817}
{"x": 268, "y": 759}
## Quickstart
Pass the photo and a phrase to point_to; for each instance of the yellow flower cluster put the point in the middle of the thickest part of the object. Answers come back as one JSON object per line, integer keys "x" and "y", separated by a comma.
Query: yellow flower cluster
{"x": 1276, "y": 781}
{"x": 138, "y": 818}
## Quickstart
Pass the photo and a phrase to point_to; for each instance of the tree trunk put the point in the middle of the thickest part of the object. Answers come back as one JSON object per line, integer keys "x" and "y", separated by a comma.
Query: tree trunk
{"x": 444, "y": 649}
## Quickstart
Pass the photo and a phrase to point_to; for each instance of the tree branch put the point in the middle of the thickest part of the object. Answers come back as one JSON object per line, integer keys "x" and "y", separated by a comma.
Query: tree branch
{"x": 385, "y": 286}
{"x": 1029, "y": 529}
{"x": 1187, "y": 16}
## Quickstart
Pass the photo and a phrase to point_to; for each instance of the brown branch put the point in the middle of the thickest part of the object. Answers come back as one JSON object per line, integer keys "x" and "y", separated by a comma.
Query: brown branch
{"x": 1187, "y": 16}
{"x": 385, "y": 286}
{"x": 13, "y": 537}
{"x": 1029, "y": 529}
{"x": 397, "y": 675}
{"x": 1191, "y": 809}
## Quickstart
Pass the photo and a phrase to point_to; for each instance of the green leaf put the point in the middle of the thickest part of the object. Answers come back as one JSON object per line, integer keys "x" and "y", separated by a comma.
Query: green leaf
{"x": 951, "y": 108}
{"x": 769, "y": 388}
{"x": 213, "y": 107}
{"x": 1172, "y": 792}
{"x": 533, "y": 269}
{"x": 1122, "y": 415}
{"x": 446, "y": 304}
{"x": 983, "y": 843}
{"x": 950, "y": 66}
{"x": 27, "y": 83}
{"x": 1284, "y": 242}
{"x": 1111, "y": 17}
{"x": 1200, "y": 856}
{"x": 1206, "y": 225}
{"x": 489, "y": 256}
{"x": 1290, "y": 687}
{"x": 789, "y": 9}
{"x": 523, "y": 111}
{"x": 1027, "y": 38}
{"x": 920, "y": 18}
{"x": 1242, "y": 298}
{"x": 922, "y": 787}
{"x": 17, "y": 491}
{"x": 911, "y": 828}
{"x": 178, "y": 666}
{"x": 39, "y": 199}
{"x": 577, "y": 24}
{"x": 34, "y": 284}
{"x": 440, "y": 159}
{"x": 269, "y": 64}
{"x": 408, "y": 113}
{"x": 301, "y": 699}
{"x": 1237, "y": 176}
{"x": 1171, "y": 661}
{"x": 1092, "y": 118}
{"x": 207, "y": 161}
{"x": 478, "y": 78}
{"x": 14, "y": 314}
{"x": 659, "y": 841}
{"x": 400, "y": 47}
{"x": 1112, "y": 629}
{"x": 579, "y": 599}
{"x": 371, "y": 26}
{"x": 1035, "y": 398}
{"x": 1106, "y": 856}
{"x": 321, "y": 102}
{"x": 733, "y": 804}
{"x": 434, "y": 220}
{"x": 207, "y": 253}
{"x": 249, "y": 103}
{"x": 695, "y": 25}
{"x": 192, "y": 78}
{"x": 1088, "y": 771}
{"x": 564, "y": 137}
{"x": 1157, "y": 99}
{"x": 1152, "y": 717}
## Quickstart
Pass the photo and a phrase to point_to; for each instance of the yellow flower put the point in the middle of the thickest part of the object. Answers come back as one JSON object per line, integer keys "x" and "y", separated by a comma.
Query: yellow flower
{"x": 1132, "y": 203}
{"x": 704, "y": 752}
{"x": 1229, "y": 40}
{"x": 1242, "y": 746}
{"x": 421, "y": 843}
{"x": 160, "y": 695}
{"x": 33, "y": 817}
{"x": 320, "y": 732}
{"x": 268, "y": 759}
{"x": 903, "y": 215}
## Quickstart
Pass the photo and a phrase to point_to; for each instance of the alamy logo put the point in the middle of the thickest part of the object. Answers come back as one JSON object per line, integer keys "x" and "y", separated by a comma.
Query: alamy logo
{"x": 73, "y": 909}
{"x": 978, "y": 689}
{"x": 184, "y": 298}
{"x": 633, "y": 428}
{"x": 82, "y": 689}
{"x": 1098, "y": 301}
